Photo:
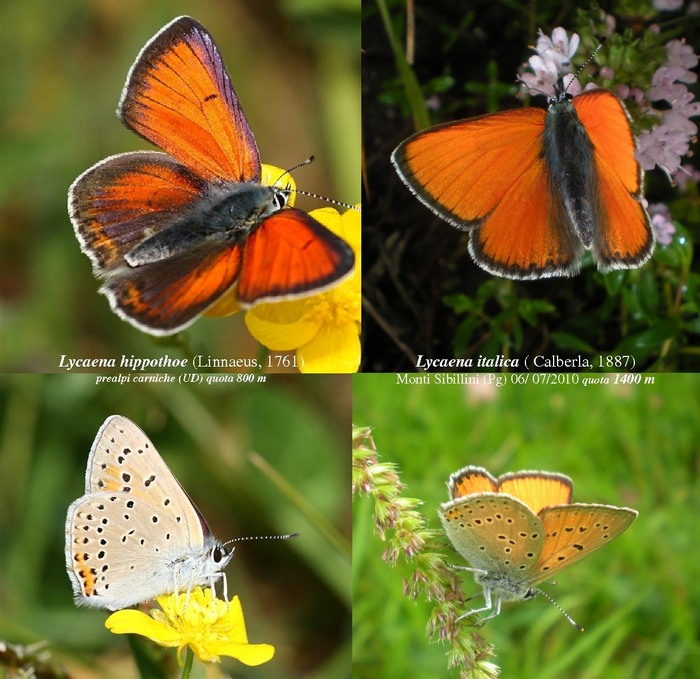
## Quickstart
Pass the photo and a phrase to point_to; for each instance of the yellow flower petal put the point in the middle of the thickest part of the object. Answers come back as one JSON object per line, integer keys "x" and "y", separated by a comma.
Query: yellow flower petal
{"x": 209, "y": 626}
{"x": 130, "y": 621}
{"x": 336, "y": 348}
{"x": 282, "y": 326}
{"x": 248, "y": 654}
{"x": 226, "y": 305}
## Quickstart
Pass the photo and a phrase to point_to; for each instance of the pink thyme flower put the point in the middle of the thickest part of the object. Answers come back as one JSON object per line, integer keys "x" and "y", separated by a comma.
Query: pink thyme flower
{"x": 663, "y": 146}
{"x": 661, "y": 223}
{"x": 558, "y": 49}
{"x": 680, "y": 54}
{"x": 667, "y": 5}
{"x": 551, "y": 61}
{"x": 664, "y": 85}
{"x": 544, "y": 77}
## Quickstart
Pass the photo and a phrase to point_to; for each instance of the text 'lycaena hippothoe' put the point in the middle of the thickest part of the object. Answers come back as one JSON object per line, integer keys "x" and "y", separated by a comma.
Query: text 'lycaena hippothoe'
{"x": 135, "y": 534}
{"x": 519, "y": 529}
{"x": 171, "y": 233}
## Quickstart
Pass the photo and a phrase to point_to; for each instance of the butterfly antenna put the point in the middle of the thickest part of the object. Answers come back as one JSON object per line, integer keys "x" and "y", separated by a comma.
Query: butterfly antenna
{"x": 262, "y": 537}
{"x": 588, "y": 61}
{"x": 308, "y": 161}
{"x": 559, "y": 608}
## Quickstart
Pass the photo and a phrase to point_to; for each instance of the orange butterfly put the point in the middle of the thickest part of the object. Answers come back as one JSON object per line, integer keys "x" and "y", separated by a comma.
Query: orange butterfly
{"x": 536, "y": 189}
{"x": 172, "y": 232}
{"x": 520, "y": 529}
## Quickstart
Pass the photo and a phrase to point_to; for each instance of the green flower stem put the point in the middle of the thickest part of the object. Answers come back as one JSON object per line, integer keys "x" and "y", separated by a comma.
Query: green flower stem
{"x": 187, "y": 667}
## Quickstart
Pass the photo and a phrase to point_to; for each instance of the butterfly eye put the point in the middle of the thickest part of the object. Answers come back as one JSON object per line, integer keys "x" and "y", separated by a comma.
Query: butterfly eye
{"x": 218, "y": 553}
{"x": 530, "y": 594}
{"x": 280, "y": 198}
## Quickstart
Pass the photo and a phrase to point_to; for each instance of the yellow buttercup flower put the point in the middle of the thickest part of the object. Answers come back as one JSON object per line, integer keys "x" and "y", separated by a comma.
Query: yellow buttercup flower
{"x": 323, "y": 329}
{"x": 209, "y": 626}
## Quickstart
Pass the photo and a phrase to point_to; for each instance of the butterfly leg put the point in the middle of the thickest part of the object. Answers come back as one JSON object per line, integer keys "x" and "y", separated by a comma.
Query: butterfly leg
{"x": 487, "y": 594}
{"x": 488, "y": 606}
{"x": 467, "y": 568}
{"x": 176, "y": 587}
{"x": 212, "y": 584}
{"x": 496, "y": 609}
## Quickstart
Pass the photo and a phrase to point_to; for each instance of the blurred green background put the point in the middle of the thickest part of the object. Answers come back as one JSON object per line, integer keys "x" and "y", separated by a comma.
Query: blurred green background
{"x": 295, "y": 65}
{"x": 637, "y": 598}
{"x": 295, "y": 593}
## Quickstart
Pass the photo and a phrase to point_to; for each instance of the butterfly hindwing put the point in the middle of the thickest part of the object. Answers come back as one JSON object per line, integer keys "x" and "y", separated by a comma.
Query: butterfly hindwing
{"x": 118, "y": 202}
{"x": 575, "y": 531}
{"x": 289, "y": 255}
{"x": 494, "y": 532}
{"x": 132, "y": 553}
{"x": 165, "y": 297}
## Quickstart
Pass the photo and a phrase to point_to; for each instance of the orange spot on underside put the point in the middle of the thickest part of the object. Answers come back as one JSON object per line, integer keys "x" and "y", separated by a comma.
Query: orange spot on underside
{"x": 472, "y": 483}
{"x": 85, "y": 574}
{"x": 112, "y": 485}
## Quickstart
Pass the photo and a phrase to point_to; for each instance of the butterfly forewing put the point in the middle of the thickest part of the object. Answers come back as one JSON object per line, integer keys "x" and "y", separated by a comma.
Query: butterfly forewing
{"x": 494, "y": 532}
{"x": 178, "y": 96}
{"x": 471, "y": 480}
{"x": 123, "y": 460}
{"x": 491, "y": 150}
